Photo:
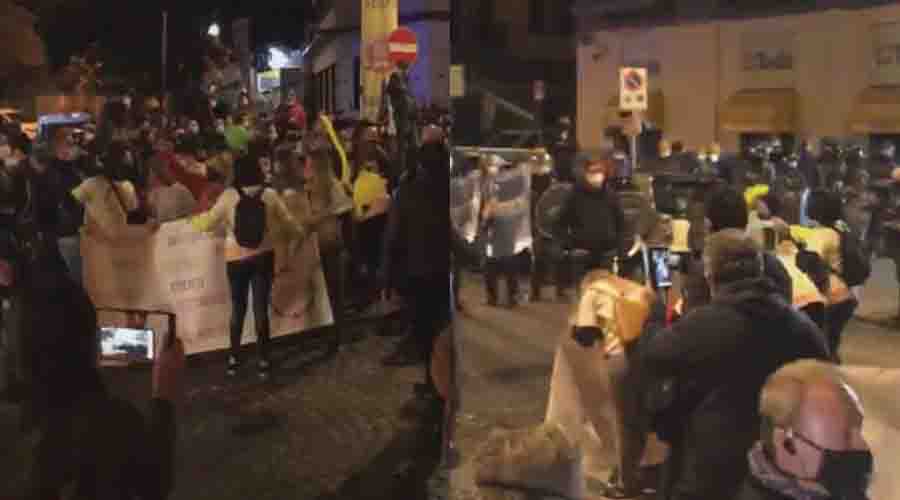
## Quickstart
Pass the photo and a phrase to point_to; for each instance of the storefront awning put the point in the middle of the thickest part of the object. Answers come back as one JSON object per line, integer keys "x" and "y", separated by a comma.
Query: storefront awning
{"x": 760, "y": 111}
{"x": 656, "y": 110}
{"x": 877, "y": 111}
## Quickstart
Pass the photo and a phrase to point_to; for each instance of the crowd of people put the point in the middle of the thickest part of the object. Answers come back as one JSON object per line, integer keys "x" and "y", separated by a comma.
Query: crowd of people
{"x": 222, "y": 167}
{"x": 737, "y": 370}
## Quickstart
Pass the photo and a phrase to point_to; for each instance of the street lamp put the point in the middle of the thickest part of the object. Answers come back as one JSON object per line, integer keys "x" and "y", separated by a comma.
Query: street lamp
{"x": 214, "y": 30}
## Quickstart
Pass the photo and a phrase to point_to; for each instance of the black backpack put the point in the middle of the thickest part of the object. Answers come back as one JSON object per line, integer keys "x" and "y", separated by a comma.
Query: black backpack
{"x": 250, "y": 219}
{"x": 855, "y": 264}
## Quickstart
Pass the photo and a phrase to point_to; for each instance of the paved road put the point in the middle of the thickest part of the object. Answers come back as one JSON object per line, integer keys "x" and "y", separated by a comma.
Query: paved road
{"x": 507, "y": 358}
{"x": 321, "y": 429}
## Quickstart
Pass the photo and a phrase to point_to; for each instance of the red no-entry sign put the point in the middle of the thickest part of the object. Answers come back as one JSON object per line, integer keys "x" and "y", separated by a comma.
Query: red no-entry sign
{"x": 403, "y": 46}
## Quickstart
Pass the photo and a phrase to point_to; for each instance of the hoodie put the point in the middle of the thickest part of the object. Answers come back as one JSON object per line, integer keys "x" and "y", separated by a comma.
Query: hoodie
{"x": 719, "y": 356}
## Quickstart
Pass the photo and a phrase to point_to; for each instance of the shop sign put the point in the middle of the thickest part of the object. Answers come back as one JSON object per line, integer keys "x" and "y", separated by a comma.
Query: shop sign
{"x": 767, "y": 52}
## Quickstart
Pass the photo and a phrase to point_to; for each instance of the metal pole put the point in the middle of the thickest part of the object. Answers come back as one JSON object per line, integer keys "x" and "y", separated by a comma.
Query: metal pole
{"x": 165, "y": 52}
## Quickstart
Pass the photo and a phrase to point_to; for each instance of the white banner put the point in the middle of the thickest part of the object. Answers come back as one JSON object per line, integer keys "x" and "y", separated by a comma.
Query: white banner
{"x": 183, "y": 271}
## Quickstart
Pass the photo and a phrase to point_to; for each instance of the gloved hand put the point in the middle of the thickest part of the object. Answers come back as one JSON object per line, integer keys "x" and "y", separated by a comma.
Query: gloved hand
{"x": 587, "y": 336}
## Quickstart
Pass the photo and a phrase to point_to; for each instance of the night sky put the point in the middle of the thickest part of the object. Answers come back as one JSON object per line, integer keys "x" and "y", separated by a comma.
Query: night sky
{"x": 128, "y": 33}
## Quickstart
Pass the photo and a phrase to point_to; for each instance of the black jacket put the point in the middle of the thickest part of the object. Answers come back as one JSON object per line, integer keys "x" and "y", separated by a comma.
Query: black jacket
{"x": 417, "y": 239}
{"x": 719, "y": 356}
{"x": 134, "y": 455}
{"x": 593, "y": 220}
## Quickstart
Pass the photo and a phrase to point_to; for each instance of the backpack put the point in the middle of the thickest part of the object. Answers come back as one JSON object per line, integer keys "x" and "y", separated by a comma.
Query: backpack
{"x": 855, "y": 264}
{"x": 250, "y": 219}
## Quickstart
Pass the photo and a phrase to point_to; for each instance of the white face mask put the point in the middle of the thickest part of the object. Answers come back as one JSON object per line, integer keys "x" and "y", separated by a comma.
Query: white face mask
{"x": 493, "y": 170}
{"x": 5, "y": 151}
{"x": 596, "y": 179}
{"x": 10, "y": 161}
{"x": 220, "y": 129}
{"x": 195, "y": 129}
{"x": 701, "y": 157}
{"x": 127, "y": 102}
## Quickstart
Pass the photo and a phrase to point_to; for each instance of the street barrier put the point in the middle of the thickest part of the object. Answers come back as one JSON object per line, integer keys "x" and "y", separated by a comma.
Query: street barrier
{"x": 181, "y": 270}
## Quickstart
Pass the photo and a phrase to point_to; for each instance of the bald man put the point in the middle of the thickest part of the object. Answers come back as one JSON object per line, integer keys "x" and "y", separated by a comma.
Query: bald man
{"x": 811, "y": 444}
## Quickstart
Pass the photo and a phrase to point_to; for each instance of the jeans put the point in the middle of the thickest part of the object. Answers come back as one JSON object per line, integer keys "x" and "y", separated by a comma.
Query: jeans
{"x": 258, "y": 273}
{"x": 70, "y": 249}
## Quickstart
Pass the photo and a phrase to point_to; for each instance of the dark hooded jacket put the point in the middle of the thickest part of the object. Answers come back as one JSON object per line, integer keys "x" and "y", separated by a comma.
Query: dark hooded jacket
{"x": 593, "y": 219}
{"x": 719, "y": 357}
{"x": 417, "y": 239}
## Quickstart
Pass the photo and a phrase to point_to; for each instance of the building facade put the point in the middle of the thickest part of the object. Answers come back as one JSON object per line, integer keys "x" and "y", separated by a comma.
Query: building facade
{"x": 333, "y": 59}
{"x": 807, "y": 72}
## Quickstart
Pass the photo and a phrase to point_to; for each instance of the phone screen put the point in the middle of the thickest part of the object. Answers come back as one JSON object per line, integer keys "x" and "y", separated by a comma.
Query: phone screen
{"x": 131, "y": 343}
{"x": 659, "y": 268}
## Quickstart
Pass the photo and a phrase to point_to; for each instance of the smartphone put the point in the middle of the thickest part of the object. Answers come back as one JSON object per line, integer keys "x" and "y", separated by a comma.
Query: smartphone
{"x": 660, "y": 271}
{"x": 769, "y": 237}
{"x": 131, "y": 343}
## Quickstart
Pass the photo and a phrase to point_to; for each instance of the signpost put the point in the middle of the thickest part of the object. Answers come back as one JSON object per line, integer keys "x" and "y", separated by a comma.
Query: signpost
{"x": 633, "y": 97}
{"x": 377, "y": 57}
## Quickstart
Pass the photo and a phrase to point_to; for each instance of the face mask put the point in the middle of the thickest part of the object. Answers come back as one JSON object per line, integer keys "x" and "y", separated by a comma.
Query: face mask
{"x": 127, "y": 102}
{"x": 714, "y": 158}
{"x": 701, "y": 157}
{"x": 596, "y": 179}
{"x": 5, "y": 151}
{"x": 220, "y": 129}
{"x": 10, "y": 161}
{"x": 493, "y": 170}
{"x": 195, "y": 129}
{"x": 844, "y": 474}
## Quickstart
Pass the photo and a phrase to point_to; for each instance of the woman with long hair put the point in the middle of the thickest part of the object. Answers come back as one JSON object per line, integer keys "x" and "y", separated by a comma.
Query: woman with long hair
{"x": 253, "y": 265}
{"x": 328, "y": 204}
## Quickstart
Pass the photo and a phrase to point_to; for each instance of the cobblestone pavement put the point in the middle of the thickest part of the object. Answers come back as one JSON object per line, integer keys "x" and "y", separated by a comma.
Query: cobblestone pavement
{"x": 320, "y": 429}
{"x": 507, "y": 357}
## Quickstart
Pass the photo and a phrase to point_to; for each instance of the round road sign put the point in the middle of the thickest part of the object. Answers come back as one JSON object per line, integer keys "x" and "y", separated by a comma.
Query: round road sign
{"x": 633, "y": 81}
{"x": 404, "y": 47}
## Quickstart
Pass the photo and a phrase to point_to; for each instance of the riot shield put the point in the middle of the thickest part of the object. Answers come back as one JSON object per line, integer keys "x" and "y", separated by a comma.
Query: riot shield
{"x": 465, "y": 200}
{"x": 549, "y": 209}
{"x": 511, "y": 227}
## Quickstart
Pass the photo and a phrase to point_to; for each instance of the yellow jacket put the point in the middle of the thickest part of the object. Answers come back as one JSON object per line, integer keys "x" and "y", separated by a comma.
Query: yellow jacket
{"x": 279, "y": 222}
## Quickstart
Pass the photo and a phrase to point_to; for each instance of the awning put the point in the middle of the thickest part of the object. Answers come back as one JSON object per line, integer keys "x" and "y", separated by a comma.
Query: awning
{"x": 877, "y": 111}
{"x": 655, "y": 114}
{"x": 760, "y": 111}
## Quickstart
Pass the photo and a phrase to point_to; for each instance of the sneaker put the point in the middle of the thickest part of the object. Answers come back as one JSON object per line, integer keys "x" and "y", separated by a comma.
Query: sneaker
{"x": 232, "y": 366}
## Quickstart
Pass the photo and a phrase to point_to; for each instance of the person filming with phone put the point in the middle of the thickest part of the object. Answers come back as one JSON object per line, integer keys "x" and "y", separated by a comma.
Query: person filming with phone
{"x": 90, "y": 444}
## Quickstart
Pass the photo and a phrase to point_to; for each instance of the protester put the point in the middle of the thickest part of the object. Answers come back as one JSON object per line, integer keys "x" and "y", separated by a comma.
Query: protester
{"x": 726, "y": 209}
{"x": 92, "y": 444}
{"x": 71, "y": 170}
{"x": 592, "y": 220}
{"x": 253, "y": 215}
{"x": 717, "y": 358}
{"x": 329, "y": 203}
{"x": 416, "y": 256}
{"x": 811, "y": 443}
{"x": 371, "y": 201}
{"x": 169, "y": 200}
{"x": 825, "y": 210}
